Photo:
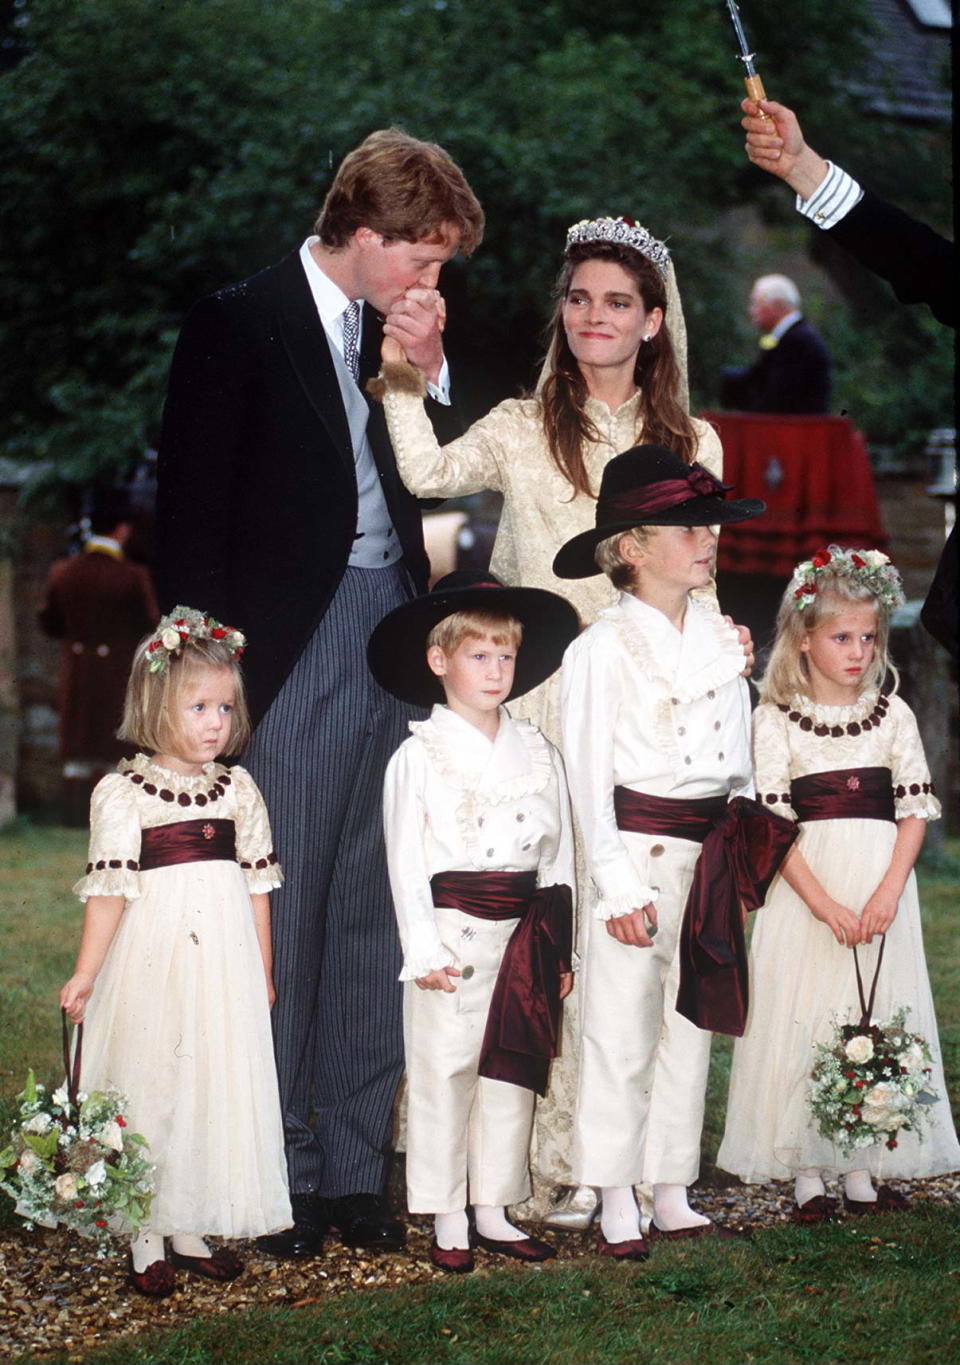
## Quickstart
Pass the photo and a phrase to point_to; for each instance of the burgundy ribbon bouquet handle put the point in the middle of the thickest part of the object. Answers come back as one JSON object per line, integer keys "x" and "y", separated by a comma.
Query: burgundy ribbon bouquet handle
{"x": 71, "y": 1071}
{"x": 866, "y": 1005}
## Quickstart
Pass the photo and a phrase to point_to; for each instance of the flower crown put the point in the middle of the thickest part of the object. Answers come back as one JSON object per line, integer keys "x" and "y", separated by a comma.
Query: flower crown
{"x": 870, "y": 569}
{"x": 624, "y": 231}
{"x": 184, "y": 624}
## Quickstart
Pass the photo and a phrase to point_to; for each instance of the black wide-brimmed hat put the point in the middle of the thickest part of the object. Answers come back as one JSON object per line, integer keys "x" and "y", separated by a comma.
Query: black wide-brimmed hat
{"x": 397, "y": 651}
{"x": 650, "y": 486}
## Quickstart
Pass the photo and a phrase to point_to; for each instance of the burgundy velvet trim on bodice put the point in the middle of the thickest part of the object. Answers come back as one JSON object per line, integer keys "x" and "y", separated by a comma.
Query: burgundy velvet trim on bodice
{"x": 522, "y": 1032}
{"x": 187, "y": 841}
{"x": 844, "y": 794}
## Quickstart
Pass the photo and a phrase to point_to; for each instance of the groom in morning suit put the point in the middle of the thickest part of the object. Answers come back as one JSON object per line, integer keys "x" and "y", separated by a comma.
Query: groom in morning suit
{"x": 280, "y": 511}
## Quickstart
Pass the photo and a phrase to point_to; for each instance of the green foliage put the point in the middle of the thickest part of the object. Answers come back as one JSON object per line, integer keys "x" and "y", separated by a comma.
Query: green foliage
{"x": 152, "y": 152}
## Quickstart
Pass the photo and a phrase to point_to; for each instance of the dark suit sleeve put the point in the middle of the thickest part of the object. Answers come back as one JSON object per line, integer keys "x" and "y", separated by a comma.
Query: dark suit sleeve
{"x": 917, "y": 261}
{"x": 200, "y": 464}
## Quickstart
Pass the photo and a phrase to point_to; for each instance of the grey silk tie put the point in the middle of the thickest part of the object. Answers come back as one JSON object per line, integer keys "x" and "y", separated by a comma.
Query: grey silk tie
{"x": 351, "y": 335}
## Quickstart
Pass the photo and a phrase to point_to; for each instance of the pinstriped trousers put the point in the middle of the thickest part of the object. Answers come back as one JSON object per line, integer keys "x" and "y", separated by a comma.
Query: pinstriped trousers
{"x": 318, "y": 756}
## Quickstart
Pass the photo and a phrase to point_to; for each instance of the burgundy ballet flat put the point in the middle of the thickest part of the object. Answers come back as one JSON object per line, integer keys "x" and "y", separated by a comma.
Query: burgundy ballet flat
{"x": 156, "y": 1282}
{"x": 820, "y": 1209}
{"x": 698, "y": 1230}
{"x": 221, "y": 1265}
{"x": 529, "y": 1249}
{"x": 455, "y": 1260}
{"x": 887, "y": 1201}
{"x": 634, "y": 1249}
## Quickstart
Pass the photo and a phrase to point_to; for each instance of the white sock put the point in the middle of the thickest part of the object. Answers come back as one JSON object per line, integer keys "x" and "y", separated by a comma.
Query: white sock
{"x": 145, "y": 1249}
{"x": 807, "y": 1187}
{"x": 451, "y": 1231}
{"x": 671, "y": 1210}
{"x": 619, "y": 1215}
{"x": 858, "y": 1185}
{"x": 186, "y": 1244}
{"x": 491, "y": 1220}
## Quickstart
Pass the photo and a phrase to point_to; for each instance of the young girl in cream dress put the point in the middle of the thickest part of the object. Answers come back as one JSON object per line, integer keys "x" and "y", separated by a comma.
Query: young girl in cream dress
{"x": 844, "y": 759}
{"x": 173, "y": 978}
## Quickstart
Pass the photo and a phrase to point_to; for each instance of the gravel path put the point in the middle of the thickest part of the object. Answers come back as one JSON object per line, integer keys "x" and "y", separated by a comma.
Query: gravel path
{"x": 56, "y": 1296}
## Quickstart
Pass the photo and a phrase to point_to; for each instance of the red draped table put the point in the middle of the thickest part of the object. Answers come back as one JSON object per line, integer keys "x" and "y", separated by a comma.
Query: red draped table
{"x": 814, "y": 475}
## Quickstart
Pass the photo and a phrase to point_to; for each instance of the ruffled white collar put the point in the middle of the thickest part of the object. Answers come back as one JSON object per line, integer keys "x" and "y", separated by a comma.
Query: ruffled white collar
{"x": 835, "y": 715}
{"x": 709, "y": 653}
{"x": 154, "y": 772}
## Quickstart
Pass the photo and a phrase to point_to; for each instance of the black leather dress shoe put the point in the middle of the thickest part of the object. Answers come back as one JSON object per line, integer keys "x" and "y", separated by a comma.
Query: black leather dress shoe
{"x": 365, "y": 1220}
{"x": 305, "y": 1238}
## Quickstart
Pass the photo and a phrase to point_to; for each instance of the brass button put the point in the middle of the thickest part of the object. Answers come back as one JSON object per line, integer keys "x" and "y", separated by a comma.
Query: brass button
{"x": 656, "y": 850}
{"x": 467, "y": 973}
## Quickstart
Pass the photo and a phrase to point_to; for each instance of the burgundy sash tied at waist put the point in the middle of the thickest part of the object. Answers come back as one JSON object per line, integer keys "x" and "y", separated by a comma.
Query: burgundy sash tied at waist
{"x": 638, "y": 813}
{"x": 523, "y": 1024}
{"x": 847, "y": 794}
{"x": 743, "y": 846}
{"x": 187, "y": 841}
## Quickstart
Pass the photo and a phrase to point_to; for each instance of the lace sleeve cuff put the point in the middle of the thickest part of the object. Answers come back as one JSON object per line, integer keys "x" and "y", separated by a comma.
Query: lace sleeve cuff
{"x": 611, "y": 907}
{"x": 425, "y": 953}
{"x": 778, "y": 802}
{"x": 262, "y": 875}
{"x": 110, "y": 877}
{"x": 916, "y": 798}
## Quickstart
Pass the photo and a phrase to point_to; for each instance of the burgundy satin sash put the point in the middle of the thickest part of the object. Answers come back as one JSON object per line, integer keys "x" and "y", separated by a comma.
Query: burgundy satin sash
{"x": 638, "y": 813}
{"x": 743, "y": 846}
{"x": 488, "y": 895}
{"x": 187, "y": 841}
{"x": 522, "y": 1033}
{"x": 738, "y": 861}
{"x": 845, "y": 794}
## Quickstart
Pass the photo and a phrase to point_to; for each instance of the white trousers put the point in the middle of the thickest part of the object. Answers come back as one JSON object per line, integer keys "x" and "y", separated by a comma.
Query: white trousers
{"x": 463, "y": 1131}
{"x": 643, "y": 1067}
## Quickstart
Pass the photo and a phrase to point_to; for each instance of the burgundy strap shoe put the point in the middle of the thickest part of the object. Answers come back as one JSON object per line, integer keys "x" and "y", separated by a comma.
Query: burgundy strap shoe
{"x": 635, "y": 1249}
{"x": 526, "y": 1249}
{"x": 887, "y": 1201}
{"x": 221, "y": 1265}
{"x": 698, "y": 1230}
{"x": 455, "y": 1260}
{"x": 156, "y": 1282}
{"x": 820, "y": 1209}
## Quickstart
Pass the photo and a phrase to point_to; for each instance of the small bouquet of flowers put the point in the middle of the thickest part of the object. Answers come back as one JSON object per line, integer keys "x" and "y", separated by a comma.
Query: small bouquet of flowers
{"x": 870, "y": 1082}
{"x": 70, "y": 1161}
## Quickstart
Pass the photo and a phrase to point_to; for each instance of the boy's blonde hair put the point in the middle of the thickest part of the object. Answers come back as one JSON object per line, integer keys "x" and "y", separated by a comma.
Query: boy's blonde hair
{"x": 451, "y": 632}
{"x": 787, "y": 672}
{"x": 611, "y": 561}
{"x": 151, "y": 697}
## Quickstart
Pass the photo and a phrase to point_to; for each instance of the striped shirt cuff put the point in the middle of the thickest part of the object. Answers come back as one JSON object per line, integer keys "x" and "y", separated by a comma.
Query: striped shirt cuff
{"x": 833, "y": 198}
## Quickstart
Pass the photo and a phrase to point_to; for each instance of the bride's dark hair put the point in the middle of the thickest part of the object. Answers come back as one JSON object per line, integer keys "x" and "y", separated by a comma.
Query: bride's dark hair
{"x": 661, "y": 418}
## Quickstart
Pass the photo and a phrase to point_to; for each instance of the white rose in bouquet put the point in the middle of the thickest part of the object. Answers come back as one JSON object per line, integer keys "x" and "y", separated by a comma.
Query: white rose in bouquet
{"x": 859, "y": 1049}
{"x": 882, "y": 1107}
{"x": 65, "y": 1186}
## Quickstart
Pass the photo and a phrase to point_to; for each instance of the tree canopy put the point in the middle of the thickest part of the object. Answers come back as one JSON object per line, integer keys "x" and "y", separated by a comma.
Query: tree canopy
{"x": 151, "y": 152}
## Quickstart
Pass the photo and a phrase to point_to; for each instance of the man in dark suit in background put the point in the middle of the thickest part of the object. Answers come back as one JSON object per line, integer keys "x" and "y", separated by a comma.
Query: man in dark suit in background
{"x": 99, "y": 604}
{"x": 280, "y": 510}
{"x": 792, "y": 370}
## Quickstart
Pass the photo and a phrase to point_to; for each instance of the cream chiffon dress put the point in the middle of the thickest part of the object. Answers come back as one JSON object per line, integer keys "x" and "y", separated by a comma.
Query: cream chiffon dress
{"x": 179, "y": 1018}
{"x": 507, "y": 451}
{"x": 801, "y": 979}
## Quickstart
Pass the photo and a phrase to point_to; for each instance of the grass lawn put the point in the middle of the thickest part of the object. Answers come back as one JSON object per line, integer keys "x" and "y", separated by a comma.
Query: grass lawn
{"x": 864, "y": 1292}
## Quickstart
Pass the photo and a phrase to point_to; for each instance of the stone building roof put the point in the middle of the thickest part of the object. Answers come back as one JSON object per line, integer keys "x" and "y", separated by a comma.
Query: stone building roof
{"x": 907, "y": 74}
